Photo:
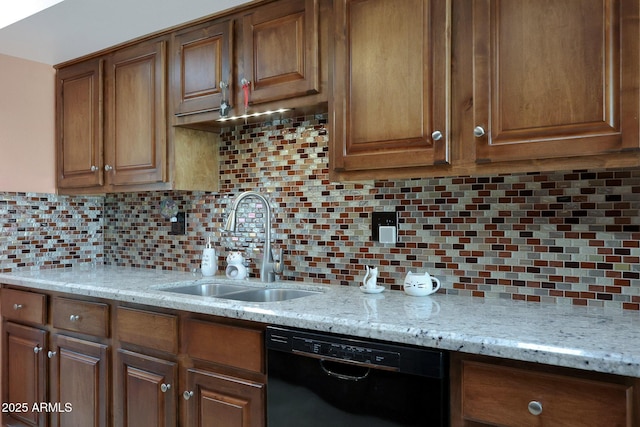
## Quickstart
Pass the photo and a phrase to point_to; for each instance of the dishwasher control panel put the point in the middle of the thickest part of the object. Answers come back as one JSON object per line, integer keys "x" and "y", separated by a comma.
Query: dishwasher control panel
{"x": 389, "y": 356}
{"x": 346, "y": 352}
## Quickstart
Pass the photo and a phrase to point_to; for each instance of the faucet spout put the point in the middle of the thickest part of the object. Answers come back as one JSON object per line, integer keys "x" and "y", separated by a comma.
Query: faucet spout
{"x": 270, "y": 265}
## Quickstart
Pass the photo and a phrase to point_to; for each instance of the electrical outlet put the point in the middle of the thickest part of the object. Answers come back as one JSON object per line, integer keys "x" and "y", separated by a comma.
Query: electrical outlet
{"x": 380, "y": 219}
{"x": 179, "y": 226}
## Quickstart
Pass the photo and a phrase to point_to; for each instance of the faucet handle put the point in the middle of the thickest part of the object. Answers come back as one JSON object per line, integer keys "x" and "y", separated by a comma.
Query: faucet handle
{"x": 278, "y": 264}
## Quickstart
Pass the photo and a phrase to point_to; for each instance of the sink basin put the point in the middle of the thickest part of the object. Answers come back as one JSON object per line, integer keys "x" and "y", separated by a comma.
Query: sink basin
{"x": 241, "y": 293}
{"x": 207, "y": 290}
{"x": 269, "y": 295}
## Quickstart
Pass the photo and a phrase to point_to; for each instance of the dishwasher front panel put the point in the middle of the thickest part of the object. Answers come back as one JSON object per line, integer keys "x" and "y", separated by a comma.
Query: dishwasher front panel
{"x": 339, "y": 383}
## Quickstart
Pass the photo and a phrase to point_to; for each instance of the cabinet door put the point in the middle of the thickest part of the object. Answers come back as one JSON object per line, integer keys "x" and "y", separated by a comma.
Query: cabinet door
{"x": 554, "y": 81}
{"x": 79, "y": 125}
{"x": 24, "y": 376}
{"x": 281, "y": 51}
{"x": 136, "y": 141}
{"x": 79, "y": 382}
{"x": 218, "y": 400}
{"x": 390, "y": 104}
{"x": 145, "y": 390}
{"x": 201, "y": 64}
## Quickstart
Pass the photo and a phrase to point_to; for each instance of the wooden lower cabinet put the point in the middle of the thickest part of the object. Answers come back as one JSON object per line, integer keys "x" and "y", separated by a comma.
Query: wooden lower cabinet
{"x": 488, "y": 392}
{"x": 172, "y": 369}
{"x": 217, "y": 400}
{"x": 78, "y": 382}
{"x": 51, "y": 378}
{"x": 24, "y": 375}
{"x": 145, "y": 391}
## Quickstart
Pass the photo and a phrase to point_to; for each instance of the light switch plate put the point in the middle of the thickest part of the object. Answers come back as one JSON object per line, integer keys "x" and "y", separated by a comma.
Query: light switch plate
{"x": 382, "y": 219}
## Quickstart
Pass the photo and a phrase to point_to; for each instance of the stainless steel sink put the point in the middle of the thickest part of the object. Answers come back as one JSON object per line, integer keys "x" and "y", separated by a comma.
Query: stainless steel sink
{"x": 269, "y": 294}
{"x": 207, "y": 290}
{"x": 241, "y": 293}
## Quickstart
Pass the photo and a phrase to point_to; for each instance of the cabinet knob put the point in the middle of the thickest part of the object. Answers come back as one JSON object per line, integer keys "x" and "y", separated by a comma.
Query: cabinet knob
{"x": 74, "y": 318}
{"x": 37, "y": 349}
{"x": 436, "y": 135}
{"x": 478, "y": 131}
{"x": 165, "y": 387}
{"x": 187, "y": 395}
{"x": 107, "y": 168}
{"x": 94, "y": 168}
{"x": 51, "y": 354}
{"x": 17, "y": 306}
{"x": 535, "y": 407}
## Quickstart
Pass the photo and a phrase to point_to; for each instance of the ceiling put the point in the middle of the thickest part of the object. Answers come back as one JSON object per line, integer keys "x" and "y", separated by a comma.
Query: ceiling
{"x": 75, "y": 28}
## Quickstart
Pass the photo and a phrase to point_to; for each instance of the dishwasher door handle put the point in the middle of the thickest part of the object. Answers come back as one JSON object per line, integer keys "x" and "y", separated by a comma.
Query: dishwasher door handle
{"x": 343, "y": 376}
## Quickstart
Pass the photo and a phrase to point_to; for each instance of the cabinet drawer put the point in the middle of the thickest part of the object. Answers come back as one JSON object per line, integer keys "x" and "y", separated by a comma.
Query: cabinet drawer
{"x": 81, "y": 316}
{"x": 149, "y": 329}
{"x": 504, "y": 395}
{"x": 227, "y": 345}
{"x": 24, "y": 306}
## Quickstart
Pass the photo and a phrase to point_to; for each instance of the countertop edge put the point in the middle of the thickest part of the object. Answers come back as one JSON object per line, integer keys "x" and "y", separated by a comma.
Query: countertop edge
{"x": 610, "y": 362}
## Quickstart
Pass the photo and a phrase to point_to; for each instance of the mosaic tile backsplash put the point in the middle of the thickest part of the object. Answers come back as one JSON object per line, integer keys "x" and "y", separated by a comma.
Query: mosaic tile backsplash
{"x": 569, "y": 237}
{"x": 49, "y": 231}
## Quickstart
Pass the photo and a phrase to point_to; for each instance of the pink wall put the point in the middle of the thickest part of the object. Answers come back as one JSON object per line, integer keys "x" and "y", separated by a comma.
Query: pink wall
{"x": 27, "y": 126}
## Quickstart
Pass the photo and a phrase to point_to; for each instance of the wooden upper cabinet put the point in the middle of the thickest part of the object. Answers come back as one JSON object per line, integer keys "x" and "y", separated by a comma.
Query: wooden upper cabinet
{"x": 136, "y": 122}
{"x": 390, "y": 106}
{"x": 202, "y": 60}
{"x": 280, "y": 51}
{"x": 79, "y": 125}
{"x": 127, "y": 145}
{"x": 555, "y": 81}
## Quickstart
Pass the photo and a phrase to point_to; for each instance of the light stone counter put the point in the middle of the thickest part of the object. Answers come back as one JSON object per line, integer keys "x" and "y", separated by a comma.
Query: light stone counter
{"x": 579, "y": 337}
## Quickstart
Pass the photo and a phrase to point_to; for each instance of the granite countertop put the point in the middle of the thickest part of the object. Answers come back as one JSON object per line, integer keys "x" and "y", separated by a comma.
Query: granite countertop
{"x": 593, "y": 339}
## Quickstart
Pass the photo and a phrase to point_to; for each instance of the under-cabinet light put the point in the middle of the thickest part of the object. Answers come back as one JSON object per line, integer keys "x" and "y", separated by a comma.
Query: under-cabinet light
{"x": 247, "y": 116}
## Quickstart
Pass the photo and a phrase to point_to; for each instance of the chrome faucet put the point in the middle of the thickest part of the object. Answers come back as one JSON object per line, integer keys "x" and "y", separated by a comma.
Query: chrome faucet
{"x": 270, "y": 266}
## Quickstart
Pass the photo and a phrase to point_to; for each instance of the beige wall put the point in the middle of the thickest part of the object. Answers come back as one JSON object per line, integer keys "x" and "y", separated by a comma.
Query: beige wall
{"x": 27, "y": 126}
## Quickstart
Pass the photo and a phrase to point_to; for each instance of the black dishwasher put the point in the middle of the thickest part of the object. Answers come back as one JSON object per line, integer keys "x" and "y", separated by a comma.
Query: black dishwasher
{"x": 324, "y": 380}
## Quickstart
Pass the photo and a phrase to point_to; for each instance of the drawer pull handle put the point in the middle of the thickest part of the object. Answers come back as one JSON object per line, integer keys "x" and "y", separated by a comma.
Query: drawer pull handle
{"x": 165, "y": 387}
{"x": 74, "y": 317}
{"x": 51, "y": 354}
{"x": 187, "y": 395}
{"x": 535, "y": 407}
{"x": 17, "y": 306}
{"x": 436, "y": 135}
{"x": 478, "y": 131}
{"x": 37, "y": 349}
